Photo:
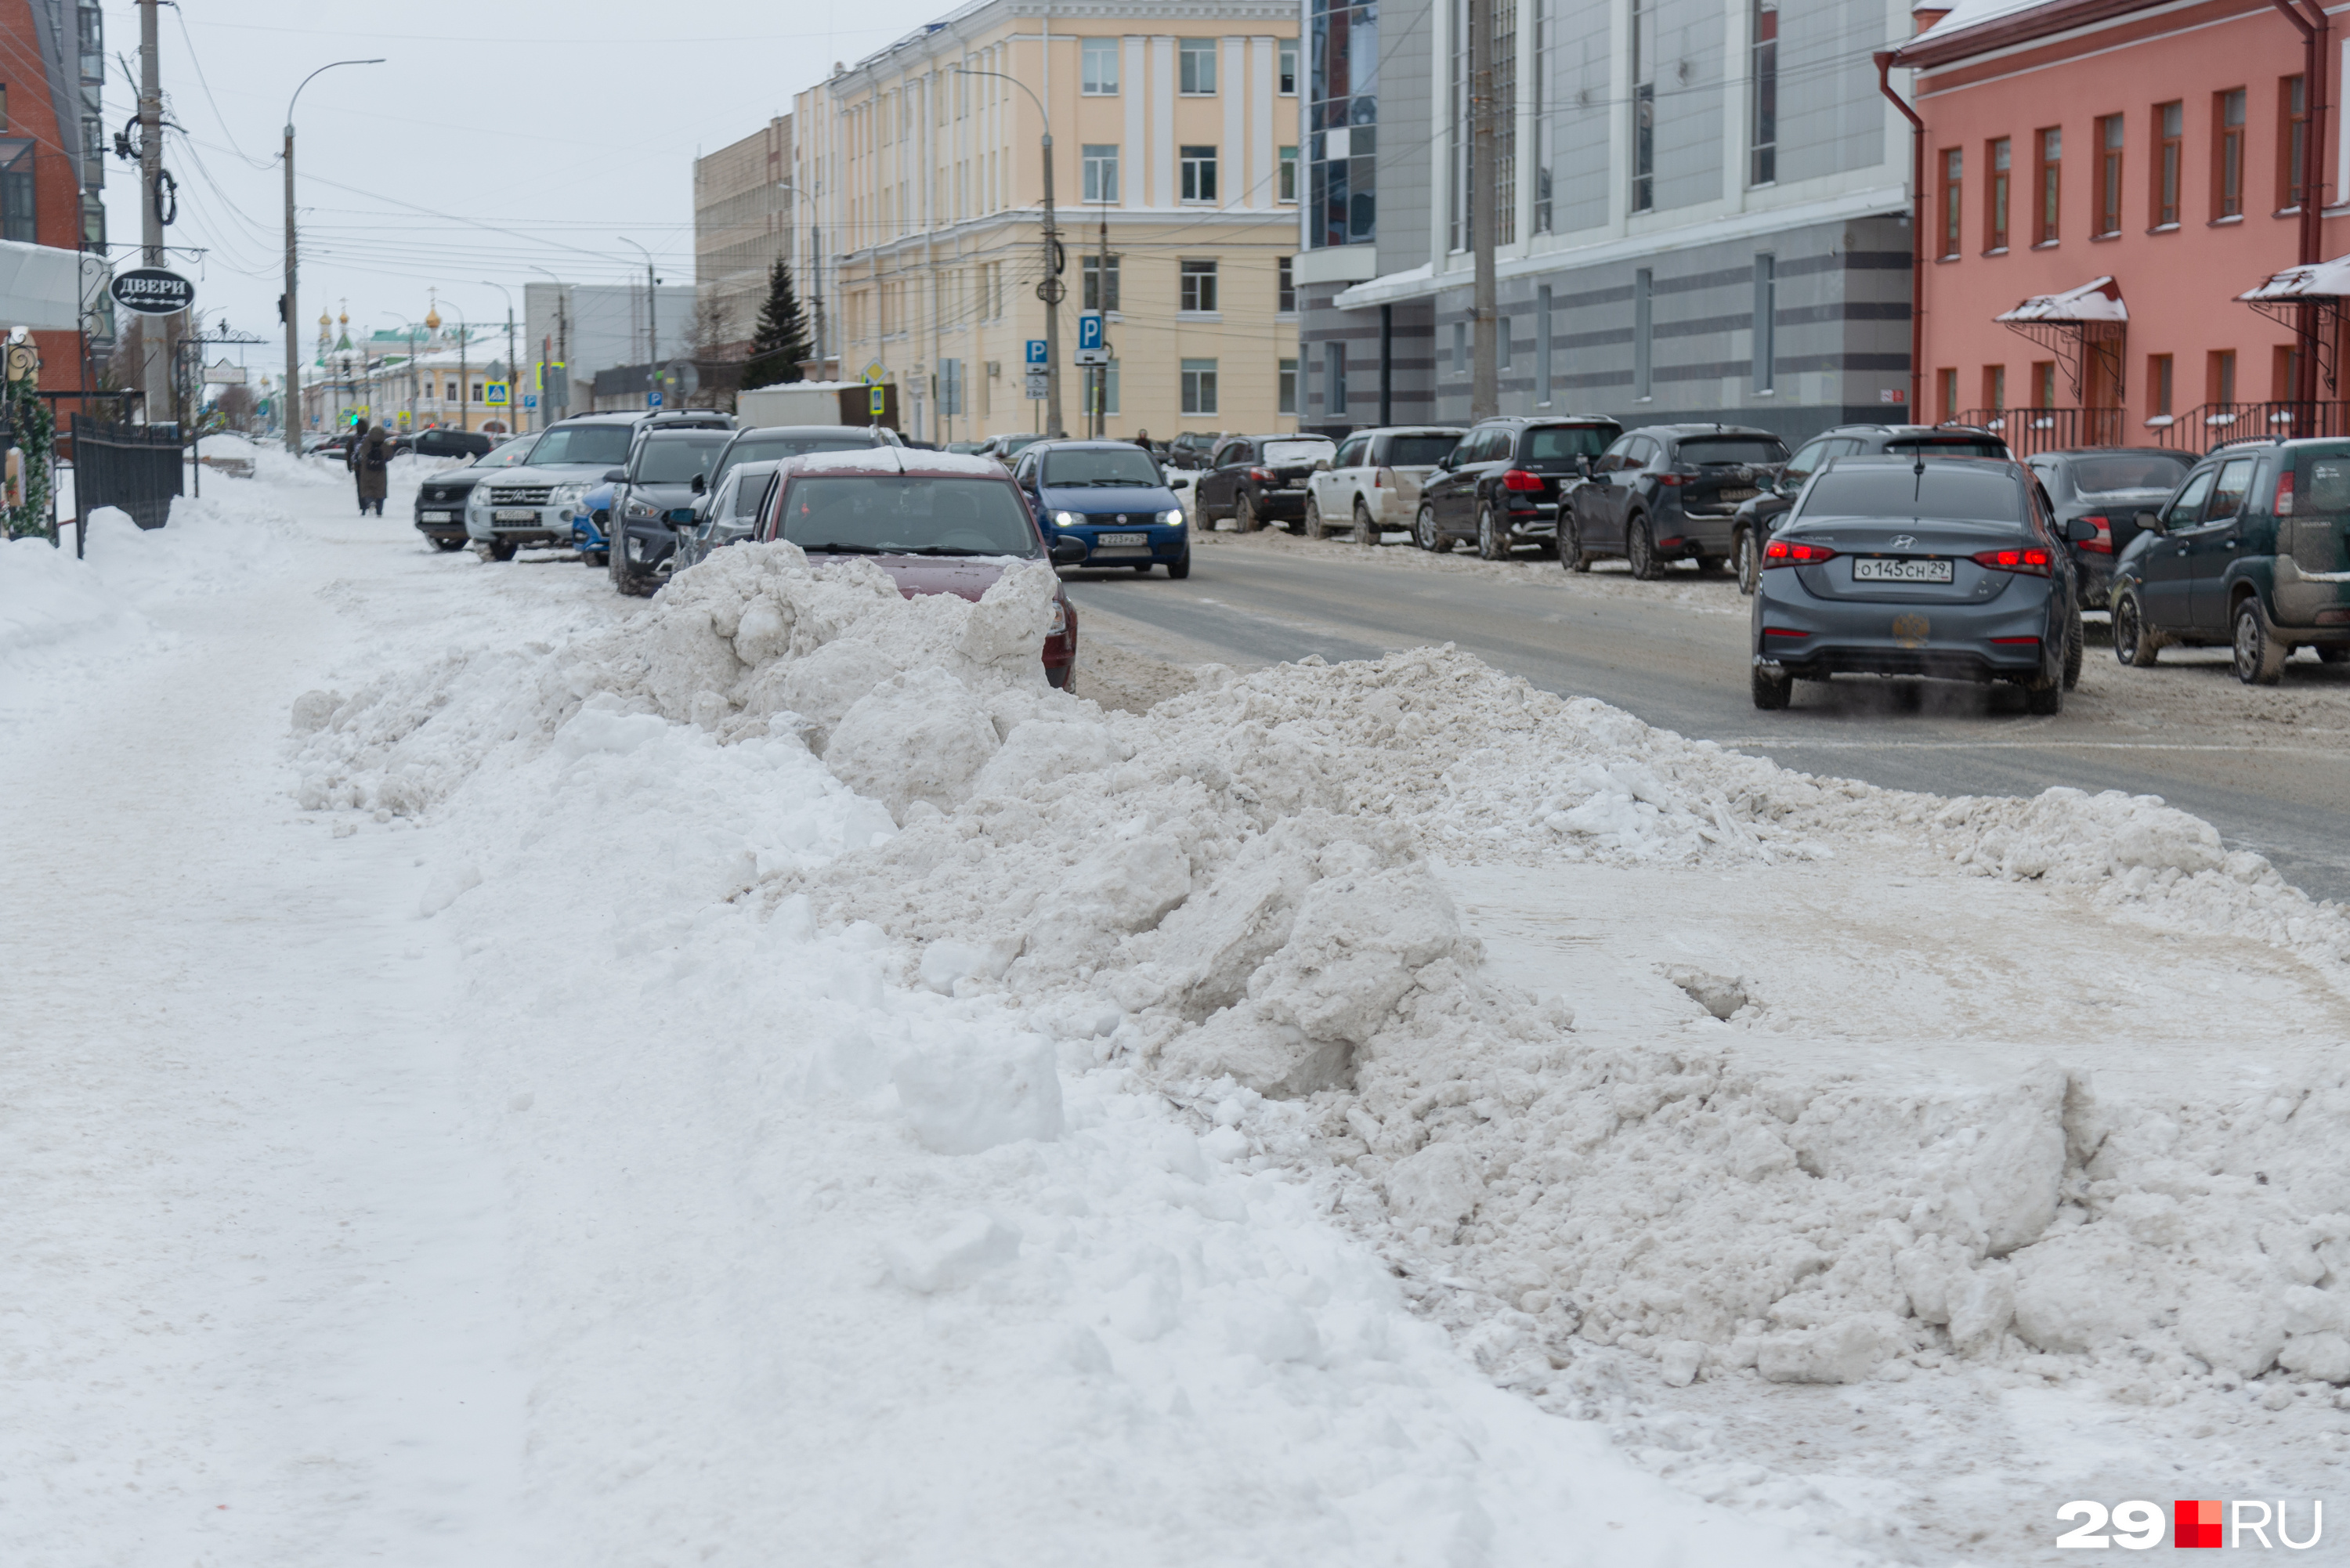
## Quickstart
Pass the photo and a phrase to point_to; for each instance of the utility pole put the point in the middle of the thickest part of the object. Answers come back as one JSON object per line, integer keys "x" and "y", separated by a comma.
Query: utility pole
{"x": 157, "y": 378}
{"x": 286, "y": 307}
{"x": 1051, "y": 291}
{"x": 1101, "y": 297}
{"x": 1484, "y": 386}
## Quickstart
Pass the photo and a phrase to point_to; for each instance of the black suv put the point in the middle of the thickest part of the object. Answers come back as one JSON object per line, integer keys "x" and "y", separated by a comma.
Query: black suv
{"x": 2109, "y": 486}
{"x": 1261, "y": 479}
{"x": 2251, "y": 554}
{"x": 1669, "y": 493}
{"x": 1502, "y": 484}
{"x": 654, "y": 499}
{"x": 441, "y": 498}
{"x": 1757, "y": 517}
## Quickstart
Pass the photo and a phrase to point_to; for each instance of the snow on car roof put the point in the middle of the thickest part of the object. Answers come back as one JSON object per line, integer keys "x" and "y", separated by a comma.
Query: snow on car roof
{"x": 895, "y": 460}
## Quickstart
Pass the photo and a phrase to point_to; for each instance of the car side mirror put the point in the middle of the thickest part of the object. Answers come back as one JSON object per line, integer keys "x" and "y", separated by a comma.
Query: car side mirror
{"x": 700, "y": 485}
{"x": 616, "y": 476}
{"x": 1321, "y": 465}
{"x": 2148, "y": 521}
{"x": 2080, "y": 531}
{"x": 1179, "y": 481}
{"x": 1067, "y": 552}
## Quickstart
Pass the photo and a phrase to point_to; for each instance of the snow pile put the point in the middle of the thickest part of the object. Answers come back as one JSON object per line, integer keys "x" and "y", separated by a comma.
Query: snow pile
{"x": 273, "y": 465}
{"x": 1231, "y": 895}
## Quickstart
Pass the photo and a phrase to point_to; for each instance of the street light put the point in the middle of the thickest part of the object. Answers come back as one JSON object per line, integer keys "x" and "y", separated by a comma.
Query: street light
{"x": 512, "y": 370}
{"x": 816, "y": 253}
{"x": 286, "y": 306}
{"x": 1051, "y": 290}
{"x": 653, "y": 311}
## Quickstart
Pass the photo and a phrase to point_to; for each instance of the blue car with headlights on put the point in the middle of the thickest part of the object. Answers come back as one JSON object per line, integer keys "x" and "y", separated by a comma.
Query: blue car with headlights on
{"x": 1109, "y": 498}
{"x": 590, "y": 524}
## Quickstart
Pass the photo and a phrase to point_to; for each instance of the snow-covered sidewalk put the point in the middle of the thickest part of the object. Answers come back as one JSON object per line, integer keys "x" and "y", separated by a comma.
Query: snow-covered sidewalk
{"x": 499, "y": 1073}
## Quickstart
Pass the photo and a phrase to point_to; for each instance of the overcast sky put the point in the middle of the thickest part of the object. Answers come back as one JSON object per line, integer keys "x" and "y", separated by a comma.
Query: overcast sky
{"x": 497, "y": 137}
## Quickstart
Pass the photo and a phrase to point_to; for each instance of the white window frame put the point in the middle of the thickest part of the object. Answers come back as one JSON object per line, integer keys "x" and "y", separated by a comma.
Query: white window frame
{"x": 1099, "y": 159}
{"x": 1285, "y": 192}
{"x": 1199, "y": 386}
{"x": 1091, "y": 55}
{"x": 1192, "y": 189}
{"x": 1196, "y": 67}
{"x": 1287, "y": 64}
{"x": 1191, "y": 299}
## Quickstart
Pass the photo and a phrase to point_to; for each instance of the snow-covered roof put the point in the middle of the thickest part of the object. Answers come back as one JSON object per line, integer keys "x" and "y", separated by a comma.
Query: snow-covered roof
{"x": 1968, "y": 14}
{"x": 2318, "y": 280}
{"x": 2100, "y": 299}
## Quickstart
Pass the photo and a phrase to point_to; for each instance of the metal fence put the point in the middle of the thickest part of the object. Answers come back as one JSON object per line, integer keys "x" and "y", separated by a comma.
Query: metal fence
{"x": 2030, "y": 431}
{"x": 135, "y": 467}
{"x": 2202, "y": 428}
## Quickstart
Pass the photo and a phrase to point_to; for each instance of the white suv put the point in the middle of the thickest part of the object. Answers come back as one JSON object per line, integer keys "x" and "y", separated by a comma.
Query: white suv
{"x": 1372, "y": 483}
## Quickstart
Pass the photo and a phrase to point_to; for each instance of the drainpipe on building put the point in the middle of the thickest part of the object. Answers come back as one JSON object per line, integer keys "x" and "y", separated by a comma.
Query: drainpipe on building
{"x": 1883, "y": 58}
{"x": 2315, "y": 88}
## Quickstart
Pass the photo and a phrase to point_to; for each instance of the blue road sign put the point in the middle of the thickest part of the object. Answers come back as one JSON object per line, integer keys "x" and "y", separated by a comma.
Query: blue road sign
{"x": 530, "y": 400}
{"x": 1036, "y": 352}
{"x": 652, "y": 400}
{"x": 1089, "y": 329}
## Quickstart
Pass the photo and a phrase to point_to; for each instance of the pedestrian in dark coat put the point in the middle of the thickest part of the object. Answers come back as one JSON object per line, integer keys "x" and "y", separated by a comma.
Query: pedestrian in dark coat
{"x": 370, "y": 459}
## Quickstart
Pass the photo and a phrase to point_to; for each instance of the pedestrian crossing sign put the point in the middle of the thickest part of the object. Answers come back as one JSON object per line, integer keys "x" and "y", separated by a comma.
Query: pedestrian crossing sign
{"x": 497, "y": 394}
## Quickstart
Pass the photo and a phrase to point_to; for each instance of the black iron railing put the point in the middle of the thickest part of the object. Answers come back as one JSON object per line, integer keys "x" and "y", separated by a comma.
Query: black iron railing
{"x": 2209, "y": 425}
{"x": 135, "y": 467}
{"x": 2030, "y": 431}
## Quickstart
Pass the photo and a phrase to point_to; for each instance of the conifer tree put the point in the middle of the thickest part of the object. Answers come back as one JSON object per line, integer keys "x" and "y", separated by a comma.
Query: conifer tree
{"x": 781, "y": 340}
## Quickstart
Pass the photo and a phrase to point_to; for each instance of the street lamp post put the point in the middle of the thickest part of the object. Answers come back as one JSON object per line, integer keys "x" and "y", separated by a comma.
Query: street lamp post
{"x": 817, "y": 254}
{"x": 652, "y": 314}
{"x": 286, "y": 306}
{"x": 1051, "y": 290}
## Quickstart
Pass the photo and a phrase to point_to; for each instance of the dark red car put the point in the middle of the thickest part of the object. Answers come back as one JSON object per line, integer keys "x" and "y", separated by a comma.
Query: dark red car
{"x": 938, "y": 523}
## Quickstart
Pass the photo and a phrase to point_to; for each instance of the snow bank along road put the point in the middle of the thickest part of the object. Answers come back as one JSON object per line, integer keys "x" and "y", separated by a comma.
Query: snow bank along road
{"x": 497, "y": 1073}
{"x": 2265, "y": 766}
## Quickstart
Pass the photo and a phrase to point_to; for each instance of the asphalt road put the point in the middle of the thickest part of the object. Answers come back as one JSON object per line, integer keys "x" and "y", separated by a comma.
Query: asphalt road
{"x": 1647, "y": 650}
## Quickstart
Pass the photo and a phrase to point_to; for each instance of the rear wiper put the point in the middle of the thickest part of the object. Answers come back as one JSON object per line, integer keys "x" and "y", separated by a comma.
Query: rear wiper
{"x": 839, "y": 549}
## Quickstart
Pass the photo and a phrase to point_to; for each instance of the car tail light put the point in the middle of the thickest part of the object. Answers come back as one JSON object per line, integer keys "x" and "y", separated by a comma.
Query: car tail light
{"x": 2034, "y": 562}
{"x": 1519, "y": 479}
{"x": 1382, "y": 480}
{"x": 2103, "y": 545}
{"x": 1262, "y": 475}
{"x": 1795, "y": 553}
{"x": 2285, "y": 493}
{"x": 1672, "y": 479}
{"x": 2016, "y": 641}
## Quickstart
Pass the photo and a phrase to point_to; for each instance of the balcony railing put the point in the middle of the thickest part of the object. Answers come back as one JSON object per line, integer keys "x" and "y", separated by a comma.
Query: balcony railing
{"x": 2030, "y": 430}
{"x": 2202, "y": 428}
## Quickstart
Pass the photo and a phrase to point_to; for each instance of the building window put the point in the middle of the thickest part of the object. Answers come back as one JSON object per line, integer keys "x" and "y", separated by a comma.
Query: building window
{"x": 1196, "y": 60}
{"x": 1946, "y": 388}
{"x": 1541, "y": 346}
{"x": 477, "y": 391}
{"x": 1341, "y": 113}
{"x": 2044, "y": 383}
{"x": 2170, "y": 124}
{"x": 1766, "y": 323}
{"x": 1334, "y": 377}
{"x": 2228, "y": 156}
{"x": 1285, "y": 285}
{"x": 2109, "y": 175}
{"x": 1644, "y": 106}
{"x": 1198, "y": 386}
{"x": 1098, "y": 78}
{"x": 4, "y": 106}
{"x": 19, "y": 211}
{"x": 1195, "y": 288}
{"x": 1954, "y": 187}
{"x": 1500, "y": 341}
{"x": 1089, "y": 290}
{"x": 1995, "y": 193}
{"x": 1198, "y": 175}
{"x": 1994, "y": 387}
{"x": 1643, "y": 330}
{"x": 2051, "y": 183}
{"x": 1287, "y": 81}
{"x": 2219, "y": 377}
{"x": 1765, "y": 159}
{"x": 2285, "y": 373}
{"x": 1287, "y": 388}
{"x": 2157, "y": 383}
{"x": 2292, "y": 129}
{"x": 1460, "y": 347}
{"x": 1288, "y": 186}
{"x": 1101, "y": 171}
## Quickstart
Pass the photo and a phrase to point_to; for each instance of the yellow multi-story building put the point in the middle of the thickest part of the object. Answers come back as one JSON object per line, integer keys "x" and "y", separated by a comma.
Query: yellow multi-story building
{"x": 1175, "y": 135}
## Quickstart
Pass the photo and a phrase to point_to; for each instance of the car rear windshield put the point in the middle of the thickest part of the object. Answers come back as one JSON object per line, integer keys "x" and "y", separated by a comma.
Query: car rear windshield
{"x": 2130, "y": 471}
{"x": 878, "y": 515}
{"x": 1733, "y": 449}
{"x": 1940, "y": 494}
{"x": 1950, "y": 446}
{"x": 1296, "y": 454}
{"x": 1553, "y": 443}
{"x": 1118, "y": 467}
{"x": 774, "y": 448}
{"x": 2321, "y": 484}
{"x": 606, "y": 445}
{"x": 676, "y": 461}
{"x": 1419, "y": 452}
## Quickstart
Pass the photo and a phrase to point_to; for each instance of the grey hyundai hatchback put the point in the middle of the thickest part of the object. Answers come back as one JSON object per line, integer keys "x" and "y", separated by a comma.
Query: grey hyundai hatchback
{"x": 1891, "y": 567}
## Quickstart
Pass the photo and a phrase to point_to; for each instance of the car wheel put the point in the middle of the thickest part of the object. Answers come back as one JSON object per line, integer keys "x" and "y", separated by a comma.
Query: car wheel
{"x": 1490, "y": 547}
{"x": 2044, "y": 693}
{"x": 1312, "y": 518}
{"x": 2260, "y": 658}
{"x": 2133, "y": 644}
{"x": 1366, "y": 531}
{"x": 457, "y": 543}
{"x": 499, "y": 549}
{"x": 1181, "y": 567}
{"x": 595, "y": 559}
{"x": 1745, "y": 561}
{"x": 1772, "y": 689}
{"x": 1571, "y": 552}
{"x": 1425, "y": 533}
{"x": 2073, "y": 638}
{"x": 1640, "y": 548}
{"x": 1245, "y": 518}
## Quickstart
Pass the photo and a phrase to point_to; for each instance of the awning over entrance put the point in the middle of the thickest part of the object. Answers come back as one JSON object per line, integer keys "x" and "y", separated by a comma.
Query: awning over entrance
{"x": 2082, "y": 328}
{"x": 2307, "y": 300}
{"x": 40, "y": 286}
{"x": 2099, "y": 300}
{"x": 2318, "y": 280}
